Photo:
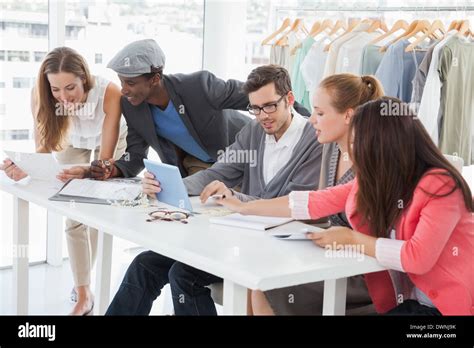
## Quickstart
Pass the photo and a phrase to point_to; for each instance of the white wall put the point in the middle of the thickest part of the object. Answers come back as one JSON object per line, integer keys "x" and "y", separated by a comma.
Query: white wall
{"x": 224, "y": 37}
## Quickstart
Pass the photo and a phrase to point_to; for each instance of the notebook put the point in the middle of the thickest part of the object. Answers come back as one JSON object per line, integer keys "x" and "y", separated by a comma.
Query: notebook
{"x": 253, "y": 222}
{"x": 99, "y": 192}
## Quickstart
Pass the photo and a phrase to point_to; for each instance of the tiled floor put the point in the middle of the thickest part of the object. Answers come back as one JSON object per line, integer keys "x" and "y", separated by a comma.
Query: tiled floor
{"x": 50, "y": 287}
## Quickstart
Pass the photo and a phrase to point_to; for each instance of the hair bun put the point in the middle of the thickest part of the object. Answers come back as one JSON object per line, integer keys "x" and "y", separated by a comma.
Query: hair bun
{"x": 368, "y": 81}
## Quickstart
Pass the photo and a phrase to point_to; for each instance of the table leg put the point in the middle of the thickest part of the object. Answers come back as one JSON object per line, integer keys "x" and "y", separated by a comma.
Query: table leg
{"x": 20, "y": 255}
{"x": 104, "y": 267}
{"x": 54, "y": 240}
{"x": 235, "y": 298}
{"x": 334, "y": 302}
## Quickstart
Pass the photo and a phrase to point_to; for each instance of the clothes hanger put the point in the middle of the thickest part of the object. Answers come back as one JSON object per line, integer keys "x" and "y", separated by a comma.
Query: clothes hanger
{"x": 463, "y": 28}
{"x": 286, "y": 23}
{"x": 326, "y": 24}
{"x": 436, "y": 25}
{"x": 454, "y": 24}
{"x": 376, "y": 25}
{"x": 353, "y": 23}
{"x": 400, "y": 24}
{"x": 340, "y": 24}
{"x": 416, "y": 27}
{"x": 314, "y": 28}
{"x": 298, "y": 25}
{"x": 299, "y": 44}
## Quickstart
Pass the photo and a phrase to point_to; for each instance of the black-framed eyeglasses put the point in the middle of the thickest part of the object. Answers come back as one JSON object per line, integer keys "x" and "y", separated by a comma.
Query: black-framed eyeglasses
{"x": 269, "y": 108}
{"x": 168, "y": 215}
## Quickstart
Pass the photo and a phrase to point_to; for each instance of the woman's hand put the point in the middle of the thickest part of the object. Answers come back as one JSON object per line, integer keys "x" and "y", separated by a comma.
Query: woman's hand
{"x": 338, "y": 236}
{"x": 12, "y": 171}
{"x": 333, "y": 236}
{"x": 77, "y": 172}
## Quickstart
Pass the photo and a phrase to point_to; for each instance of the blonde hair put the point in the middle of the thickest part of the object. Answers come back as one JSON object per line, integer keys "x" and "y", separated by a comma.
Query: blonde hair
{"x": 53, "y": 127}
{"x": 349, "y": 90}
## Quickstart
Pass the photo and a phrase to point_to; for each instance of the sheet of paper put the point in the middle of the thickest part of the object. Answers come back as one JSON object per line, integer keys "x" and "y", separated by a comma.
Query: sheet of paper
{"x": 39, "y": 166}
{"x": 111, "y": 190}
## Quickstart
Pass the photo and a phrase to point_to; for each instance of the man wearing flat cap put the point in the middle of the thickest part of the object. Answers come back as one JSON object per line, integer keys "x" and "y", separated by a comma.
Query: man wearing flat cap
{"x": 185, "y": 118}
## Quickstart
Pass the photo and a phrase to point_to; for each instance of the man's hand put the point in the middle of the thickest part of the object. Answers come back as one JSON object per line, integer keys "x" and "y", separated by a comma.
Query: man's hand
{"x": 103, "y": 169}
{"x": 76, "y": 172}
{"x": 215, "y": 188}
{"x": 150, "y": 186}
{"x": 12, "y": 171}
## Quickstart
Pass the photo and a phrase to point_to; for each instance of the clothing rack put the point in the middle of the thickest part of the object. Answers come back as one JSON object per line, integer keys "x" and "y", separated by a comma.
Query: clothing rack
{"x": 379, "y": 9}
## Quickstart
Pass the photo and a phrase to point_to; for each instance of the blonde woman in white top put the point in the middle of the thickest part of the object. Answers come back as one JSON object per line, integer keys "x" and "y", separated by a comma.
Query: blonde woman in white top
{"x": 75, "y": 115}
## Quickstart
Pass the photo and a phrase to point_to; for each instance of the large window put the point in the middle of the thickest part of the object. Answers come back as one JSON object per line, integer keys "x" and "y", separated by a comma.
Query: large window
{"x": 23, "y": 43}
{"x": 177, "y": 26}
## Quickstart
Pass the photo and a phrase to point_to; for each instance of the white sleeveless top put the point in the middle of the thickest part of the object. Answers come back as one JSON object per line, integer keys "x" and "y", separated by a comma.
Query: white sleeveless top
{"x": 86, "y": 127}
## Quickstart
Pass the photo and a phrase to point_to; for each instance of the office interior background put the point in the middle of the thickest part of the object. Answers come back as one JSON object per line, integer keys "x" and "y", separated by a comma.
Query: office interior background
{"x": 223, "y": 36}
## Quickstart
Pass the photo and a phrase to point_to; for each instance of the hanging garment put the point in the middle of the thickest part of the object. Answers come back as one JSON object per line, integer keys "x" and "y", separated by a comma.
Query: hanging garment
{"x": 280, "y": 55}
{"x": 370, "y": 60}
{"x": 331, "y": 61}
{"x": 429, "y": 107}
{"x": 297, "y": 81}
{"x": 350, "y": 52}
{"x": 420, "y": 75}
{"x": 456, "y": 73}
{"x": 397, "y": 69}
{"x": 312, "y": 67}
{"x": 293, "y": 40}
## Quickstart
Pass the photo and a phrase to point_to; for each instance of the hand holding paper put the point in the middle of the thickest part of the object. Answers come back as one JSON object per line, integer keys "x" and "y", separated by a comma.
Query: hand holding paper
{"x": 12, "y": 170}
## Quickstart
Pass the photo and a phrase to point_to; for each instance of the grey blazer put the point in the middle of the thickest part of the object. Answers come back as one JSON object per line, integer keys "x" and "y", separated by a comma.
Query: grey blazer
{"x": 208, "y": 107}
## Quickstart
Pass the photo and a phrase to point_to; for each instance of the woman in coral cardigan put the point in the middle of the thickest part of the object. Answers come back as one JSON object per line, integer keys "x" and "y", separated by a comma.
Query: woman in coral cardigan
{"x": 410, "y": 209}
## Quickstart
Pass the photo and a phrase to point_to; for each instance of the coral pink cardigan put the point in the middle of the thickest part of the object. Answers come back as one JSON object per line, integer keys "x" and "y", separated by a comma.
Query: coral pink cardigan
{"x": 438, "y": 249}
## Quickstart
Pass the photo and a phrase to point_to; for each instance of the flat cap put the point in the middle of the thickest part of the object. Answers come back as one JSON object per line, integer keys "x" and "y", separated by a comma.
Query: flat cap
{"x": 137, "y": 58}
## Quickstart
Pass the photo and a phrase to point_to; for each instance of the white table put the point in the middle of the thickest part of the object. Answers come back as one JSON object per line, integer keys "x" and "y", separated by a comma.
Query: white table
{"x": 243, "y": 258}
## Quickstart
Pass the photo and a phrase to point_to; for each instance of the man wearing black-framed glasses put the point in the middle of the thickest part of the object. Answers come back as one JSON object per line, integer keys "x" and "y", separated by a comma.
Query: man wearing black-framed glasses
{"x": 288, "y": 158}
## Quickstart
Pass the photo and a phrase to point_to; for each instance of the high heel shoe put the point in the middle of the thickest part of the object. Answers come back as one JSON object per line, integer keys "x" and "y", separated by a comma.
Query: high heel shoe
{"x": 88, "y": 312}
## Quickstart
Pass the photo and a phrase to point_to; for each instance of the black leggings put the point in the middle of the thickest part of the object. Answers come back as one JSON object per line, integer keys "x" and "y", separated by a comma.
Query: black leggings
{"x": 412, "y": 307}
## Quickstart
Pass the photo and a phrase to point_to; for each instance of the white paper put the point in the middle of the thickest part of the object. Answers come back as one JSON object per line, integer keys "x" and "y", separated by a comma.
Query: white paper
{"x": 39, "y": 166}
{"x": 110, "y": 190}
{"x": 250, "y": 221}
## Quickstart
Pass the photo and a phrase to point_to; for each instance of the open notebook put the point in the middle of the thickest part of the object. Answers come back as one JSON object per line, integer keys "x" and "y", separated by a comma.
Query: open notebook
{"x": 99, "y": 192}
{"x": 253, "y": 222}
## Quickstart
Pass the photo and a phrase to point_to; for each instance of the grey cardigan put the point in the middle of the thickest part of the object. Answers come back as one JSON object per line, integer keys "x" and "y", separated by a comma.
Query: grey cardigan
{"x": 208, "y": 107}
{"x": 300, "y": 173}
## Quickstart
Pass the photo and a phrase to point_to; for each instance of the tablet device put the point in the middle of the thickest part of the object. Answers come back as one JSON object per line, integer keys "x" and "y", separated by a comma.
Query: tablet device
{"x": 173, "y": 191}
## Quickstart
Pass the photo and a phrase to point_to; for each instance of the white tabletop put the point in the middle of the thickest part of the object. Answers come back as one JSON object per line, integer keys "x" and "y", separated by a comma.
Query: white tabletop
{"x": 246, "y": 257}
